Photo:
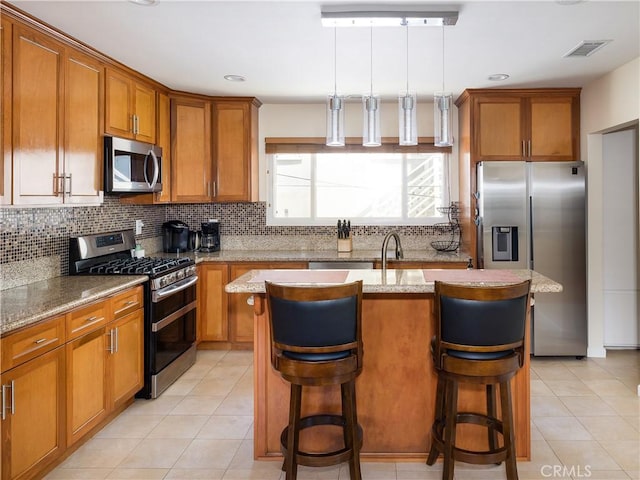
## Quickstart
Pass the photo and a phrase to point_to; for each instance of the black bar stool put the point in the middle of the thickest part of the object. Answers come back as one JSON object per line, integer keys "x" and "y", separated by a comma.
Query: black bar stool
{"x": 479, "y": 339}
{"x": 316, "y": 340}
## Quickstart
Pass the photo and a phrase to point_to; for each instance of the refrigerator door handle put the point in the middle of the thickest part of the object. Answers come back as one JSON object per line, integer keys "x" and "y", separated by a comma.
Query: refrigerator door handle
{"x": 530, "y": 232}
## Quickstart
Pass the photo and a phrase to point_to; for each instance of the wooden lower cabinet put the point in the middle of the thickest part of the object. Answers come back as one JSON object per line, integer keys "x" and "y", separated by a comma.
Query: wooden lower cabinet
{"x": 213, "y": 302}
{"x": 87, "y": 401}
{"x": 126, "y": 357}
{"x": 33, "y": 433}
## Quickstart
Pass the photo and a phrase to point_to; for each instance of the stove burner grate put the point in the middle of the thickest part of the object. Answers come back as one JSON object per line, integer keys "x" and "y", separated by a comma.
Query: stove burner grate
{"x": 141, "y": 266}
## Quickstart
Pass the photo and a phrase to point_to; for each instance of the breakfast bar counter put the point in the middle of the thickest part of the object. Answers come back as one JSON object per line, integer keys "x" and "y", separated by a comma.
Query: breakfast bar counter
{"x": 396, "y": 389}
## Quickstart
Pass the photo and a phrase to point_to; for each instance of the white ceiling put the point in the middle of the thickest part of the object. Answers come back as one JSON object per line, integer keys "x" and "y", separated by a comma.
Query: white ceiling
{"x": 287, "y": 56}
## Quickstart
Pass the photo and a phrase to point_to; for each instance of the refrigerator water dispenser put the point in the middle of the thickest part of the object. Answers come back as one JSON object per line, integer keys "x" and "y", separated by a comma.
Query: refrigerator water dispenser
{"x": 504, "y": 244}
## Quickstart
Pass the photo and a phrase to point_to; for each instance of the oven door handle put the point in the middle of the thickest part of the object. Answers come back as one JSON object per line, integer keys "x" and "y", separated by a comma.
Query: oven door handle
{"x": 174, "y": 288}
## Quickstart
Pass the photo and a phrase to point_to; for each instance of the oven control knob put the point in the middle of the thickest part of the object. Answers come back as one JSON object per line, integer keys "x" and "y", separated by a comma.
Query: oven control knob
{"x": 179, "y": 274}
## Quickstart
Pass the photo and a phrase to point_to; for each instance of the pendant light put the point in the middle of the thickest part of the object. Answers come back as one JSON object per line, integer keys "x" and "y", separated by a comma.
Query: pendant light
{"x": 371, "y": 112}
{"x": 442, "y": 103}
{"x": 335, "y": 105}
{"x": 407, "y": 124}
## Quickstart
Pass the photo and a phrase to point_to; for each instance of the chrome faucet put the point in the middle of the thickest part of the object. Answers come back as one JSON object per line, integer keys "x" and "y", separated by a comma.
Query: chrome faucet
{"x": 385, "y": 244}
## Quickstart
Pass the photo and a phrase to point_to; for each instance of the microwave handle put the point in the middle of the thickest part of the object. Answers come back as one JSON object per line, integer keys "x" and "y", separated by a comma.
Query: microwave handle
{"x": 156, "y": 169}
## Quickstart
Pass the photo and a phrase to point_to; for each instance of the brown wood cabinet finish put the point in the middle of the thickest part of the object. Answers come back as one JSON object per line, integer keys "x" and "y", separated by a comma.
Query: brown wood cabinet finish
{"x": 6, "y": 30}
{"x": 130, "y": 107}
{"x": 213, "y": 302}
{"x": 191, "y": 166}
{"x": 126, "y": 360}
{"x": 33, "y": 435}
{"x": 235, "y": 146}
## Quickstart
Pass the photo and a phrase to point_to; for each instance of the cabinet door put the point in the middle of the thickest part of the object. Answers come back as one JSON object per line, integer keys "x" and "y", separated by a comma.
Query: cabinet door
{"x": 235, "y": 150}
{"x": 118, "y": 104}
{"x": 87, "y": 401}
{"x": 145, "y": 111}
{"x": 126, "y": 356}
{"x": 240, "y": 312}
{"x": 33, "y": 426}
{"x": 499, "y": 128}
{"x": 554, "y": 128}
{"x": 191, "y": 166}
{"x": 37, "y": 125}
{"x": 82, "y": 129}
{"x": 164, "y": 142}
{"x": 5, "y": 108}
{"x": 213, "y": 302}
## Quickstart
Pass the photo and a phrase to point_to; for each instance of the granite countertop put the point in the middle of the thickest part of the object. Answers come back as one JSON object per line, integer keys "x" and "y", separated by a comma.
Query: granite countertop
{"x": 28, "y": 304}
{"x": 395, "y": 281}
{"x": 426, "y": 255}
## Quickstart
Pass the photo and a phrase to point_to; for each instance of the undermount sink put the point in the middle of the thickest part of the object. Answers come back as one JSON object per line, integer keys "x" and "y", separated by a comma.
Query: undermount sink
{"x": 339, "y": 265}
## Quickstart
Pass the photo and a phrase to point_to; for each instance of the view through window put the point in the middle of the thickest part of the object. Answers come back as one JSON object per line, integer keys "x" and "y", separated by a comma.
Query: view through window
{"x": 367, "y": 188}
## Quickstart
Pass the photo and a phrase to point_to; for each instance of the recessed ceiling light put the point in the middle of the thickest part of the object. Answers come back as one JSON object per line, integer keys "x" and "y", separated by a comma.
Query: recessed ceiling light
{"x": 498, "y": 77}
{"x": 234, "y": 78}
{"x": 146, "y": 3}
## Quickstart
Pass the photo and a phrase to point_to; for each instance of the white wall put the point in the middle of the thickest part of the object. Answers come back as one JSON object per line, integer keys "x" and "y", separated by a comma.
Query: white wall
{"x": 608, "y": 103}
{"x": 309, "y": 120}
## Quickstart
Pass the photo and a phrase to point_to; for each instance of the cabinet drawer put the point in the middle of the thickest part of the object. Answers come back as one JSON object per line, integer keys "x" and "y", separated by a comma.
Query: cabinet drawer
{"x": 31, "y": 342}
{"x": 86, "y": 319}
{"x": 126, "y": 302}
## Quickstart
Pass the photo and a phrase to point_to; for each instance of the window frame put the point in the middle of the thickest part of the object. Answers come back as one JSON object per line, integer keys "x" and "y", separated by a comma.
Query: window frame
{"x": 312, "y": 145}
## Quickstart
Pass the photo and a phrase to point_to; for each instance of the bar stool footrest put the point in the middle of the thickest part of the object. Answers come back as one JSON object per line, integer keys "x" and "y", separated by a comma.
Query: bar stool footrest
{"x": 323, "y": 459}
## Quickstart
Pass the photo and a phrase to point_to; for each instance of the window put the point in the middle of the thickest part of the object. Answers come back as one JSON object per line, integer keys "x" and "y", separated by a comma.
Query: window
{"x": 366, "y": 187}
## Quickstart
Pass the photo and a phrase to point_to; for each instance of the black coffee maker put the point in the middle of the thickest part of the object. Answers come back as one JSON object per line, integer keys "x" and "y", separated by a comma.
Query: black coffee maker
{"x": 210, "y": 240}
{"x": 175, "y": 236}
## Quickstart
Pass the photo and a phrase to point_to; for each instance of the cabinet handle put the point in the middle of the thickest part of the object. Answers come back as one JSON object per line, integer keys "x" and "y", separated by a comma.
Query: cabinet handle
{"x": 130, "y": 302}
{"x": 39, "y": 341}
{"x": 250, "y": 300}
{"x": 524, "y": 149}
{"x": 116, "y": 349}
{"x": 91, "y": 319}
{"x": 110, "y": 348}
{"x": 68, "y": 192}
{"x": 214, "y": 190}
{"x": 208, "y": 189}
{"x": 12, "y": 408}
{"x": 529, "y": 145}
{"x": 58, "y": 181}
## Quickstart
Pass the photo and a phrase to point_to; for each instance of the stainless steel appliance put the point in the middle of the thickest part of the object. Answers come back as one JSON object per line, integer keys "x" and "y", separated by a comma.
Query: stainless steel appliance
{"x": 210, "y": 240}
{"x": 131, "y": 166}
{"x": 169, "y": 301}
{"x": 532, "y": 215}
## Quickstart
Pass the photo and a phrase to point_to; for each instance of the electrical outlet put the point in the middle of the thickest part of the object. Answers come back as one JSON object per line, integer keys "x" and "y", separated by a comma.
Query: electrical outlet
{"x": 139, "y": 226}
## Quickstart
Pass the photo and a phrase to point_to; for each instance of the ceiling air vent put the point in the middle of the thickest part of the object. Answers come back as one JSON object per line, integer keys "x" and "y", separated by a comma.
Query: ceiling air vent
{"x": 586, "y": 48}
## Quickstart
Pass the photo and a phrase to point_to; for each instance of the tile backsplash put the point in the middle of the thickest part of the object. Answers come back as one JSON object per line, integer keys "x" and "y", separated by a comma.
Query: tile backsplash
{"x": 37, "y": 239}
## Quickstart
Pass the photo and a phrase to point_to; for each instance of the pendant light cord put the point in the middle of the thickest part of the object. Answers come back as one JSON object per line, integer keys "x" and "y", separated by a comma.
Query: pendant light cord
{"x": 335, "y": 61}
{"x": 407, "y": 27}
{"x": 371, "y": 53}
{"x": 443, "y": 57}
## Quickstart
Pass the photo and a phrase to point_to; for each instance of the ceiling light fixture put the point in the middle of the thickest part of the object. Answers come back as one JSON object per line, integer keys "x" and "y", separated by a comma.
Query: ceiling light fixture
{"x": 144, "y": 3}
{"x": 335, "y": 105}
{"x": 234, "y": 78}
{"x": 442, "y": 103}
{"x": 371, "y": 111}
{"x": 407, "y": 105}
{"x": 498, "y": 77}
{"x": 386, "y": 16}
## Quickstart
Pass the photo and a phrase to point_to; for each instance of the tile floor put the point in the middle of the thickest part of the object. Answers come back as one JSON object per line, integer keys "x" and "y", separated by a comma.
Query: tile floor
{"x": 585, "y": 424}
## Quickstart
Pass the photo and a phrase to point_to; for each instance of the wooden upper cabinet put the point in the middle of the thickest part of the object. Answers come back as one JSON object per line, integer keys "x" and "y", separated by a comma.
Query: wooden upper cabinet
{"x": 83, "y": 107}
{"x": 38, "y": 71}
{"x": 130, "y": 108}
{"x": 531, "y": 125}
{"x": 5, "y": 109}
{"x": 56, "y": 124}
{"x": 191, "y": 161}
{"x": 235, "y": 146}
{"x": 164, "y": 142}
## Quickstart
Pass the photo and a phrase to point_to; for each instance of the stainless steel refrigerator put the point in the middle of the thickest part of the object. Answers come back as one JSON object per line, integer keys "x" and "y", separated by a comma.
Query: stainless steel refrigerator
{"x": 532, "y": 215}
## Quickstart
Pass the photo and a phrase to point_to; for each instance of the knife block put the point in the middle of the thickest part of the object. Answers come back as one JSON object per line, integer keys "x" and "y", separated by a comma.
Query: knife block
{"x": 345, "y": 245}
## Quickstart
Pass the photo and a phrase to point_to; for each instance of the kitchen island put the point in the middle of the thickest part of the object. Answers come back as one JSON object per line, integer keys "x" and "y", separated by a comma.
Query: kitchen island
{"x": 396, "y": 390}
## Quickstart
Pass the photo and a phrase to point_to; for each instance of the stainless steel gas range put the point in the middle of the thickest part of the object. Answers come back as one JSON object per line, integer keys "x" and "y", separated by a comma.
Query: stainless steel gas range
{"x": 169, "y": 301}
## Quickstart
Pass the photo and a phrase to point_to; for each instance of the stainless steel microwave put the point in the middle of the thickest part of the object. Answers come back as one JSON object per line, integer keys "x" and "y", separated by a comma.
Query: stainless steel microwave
{"x": 131, "y": 166}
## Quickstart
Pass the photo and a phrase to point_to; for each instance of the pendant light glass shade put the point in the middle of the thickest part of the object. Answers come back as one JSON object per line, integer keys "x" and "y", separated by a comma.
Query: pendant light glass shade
{"x": 335, "y": 121}
{"x": 407, "y": 124}
{"x": 371, "y": 121}
{"x": 442, "y": 121}
{"x": 335, "y": 106}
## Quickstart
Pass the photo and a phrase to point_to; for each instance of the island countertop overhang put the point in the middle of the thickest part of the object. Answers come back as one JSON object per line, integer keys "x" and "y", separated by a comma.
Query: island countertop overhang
{"x": 391, "y": 281}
